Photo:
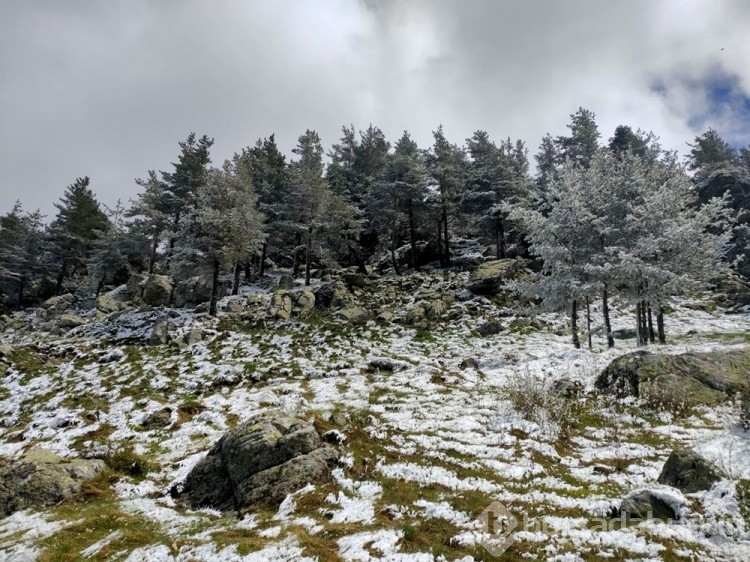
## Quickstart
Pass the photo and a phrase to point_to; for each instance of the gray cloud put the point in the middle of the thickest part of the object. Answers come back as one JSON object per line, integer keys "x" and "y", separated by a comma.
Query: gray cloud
{"x": 107, "y": 89}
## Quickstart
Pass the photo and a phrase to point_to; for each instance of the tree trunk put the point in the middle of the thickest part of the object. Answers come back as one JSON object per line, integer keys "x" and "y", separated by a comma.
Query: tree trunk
{"x": 644, "y": 323}
{"x": 651, "y": 336}
{"x": 413, "y": 237}
{"x": 501, "y": 250}
{"x": 445, "y": 237}
{"x": 20, "y": 293}
{"x": 236, "y": 281}
{"x": 247, "y": 271}
{"x": 152, "y": 256}
{"x": 574, "y": 324}
{"x": 607, "y": 323}
{"x": 60, "y": 279}
{"x": 214, "y": 289}
{"x": 308, "y": 256}
{"x": 638, "y": 339}
{"x": 99, "y": 286}
{"x": 440, "y": 242}
{"x": 660, "y": 325}
{"x": 262, "y": 268}
{"x": 588, "y": 321}
{"x": 394, "y": 261}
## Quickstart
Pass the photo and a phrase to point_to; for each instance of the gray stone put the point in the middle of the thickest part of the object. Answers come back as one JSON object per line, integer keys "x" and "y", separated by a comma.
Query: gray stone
{"x": 436, "y": 308}
{"x": 387, "y": 364}
{"x": 193, "y": 336}
{"x": 157, "y": 290}
{"x": 416, "y": 315}
{"x": 286, "y": 282}
{"x": 5, "y": 350}
{"x": 281, "y": 305}
{"x": 332, "y": 295}
{"x": 108, "y": 304}
{"x": 689, "y": 472}
{"x": 489, "y": 277}
{"x": 259, "y": 462}
{"x": 160, "y": 418}
{"x": 160, "y": 331}
{"x": 41, "y": 479}
{"x": 353, "y": 315}
{"x": 566, "y": 388}
{"x": 70, "y": 321}
{"x": 697, "y": 378}
{"x": 194, "y": 291}
{"x": 745, "y": 412}
{"x": 469, "y": 363}
{"x": 490, "y": 328}
{"x": 304, "y": 302}
{"x": 134, "y": 285}
{"x": 644, "y": 505}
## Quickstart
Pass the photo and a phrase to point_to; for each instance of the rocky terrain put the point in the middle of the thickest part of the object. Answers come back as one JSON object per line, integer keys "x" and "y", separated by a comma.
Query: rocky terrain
{"x": 369, "y": 418}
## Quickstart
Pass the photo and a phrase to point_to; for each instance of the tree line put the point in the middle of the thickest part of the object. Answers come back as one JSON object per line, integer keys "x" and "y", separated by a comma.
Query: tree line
{"x": 622, "y": 217}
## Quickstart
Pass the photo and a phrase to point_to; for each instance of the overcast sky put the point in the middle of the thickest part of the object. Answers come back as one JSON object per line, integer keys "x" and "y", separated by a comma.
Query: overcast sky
{"x": 108, "y": 88}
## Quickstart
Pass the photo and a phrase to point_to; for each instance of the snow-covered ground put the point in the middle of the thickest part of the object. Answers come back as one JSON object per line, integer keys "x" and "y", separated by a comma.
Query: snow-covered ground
{"x": 428, "y": 446}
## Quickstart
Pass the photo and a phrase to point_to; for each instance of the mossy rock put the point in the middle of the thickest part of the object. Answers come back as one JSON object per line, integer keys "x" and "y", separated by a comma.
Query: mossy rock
{"x": 702, "y": 378}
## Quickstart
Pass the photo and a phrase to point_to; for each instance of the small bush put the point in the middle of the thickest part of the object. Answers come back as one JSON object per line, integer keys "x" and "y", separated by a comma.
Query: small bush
{"x": 126, "y": 461}
{"x": 535, "y": 401}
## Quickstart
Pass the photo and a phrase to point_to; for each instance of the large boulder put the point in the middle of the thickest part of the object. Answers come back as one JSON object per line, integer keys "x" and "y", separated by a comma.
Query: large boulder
{"x": 304, "y": 303}
{"x": 259, "y": 462}
{"x": 59, "y": 304}
{"x": 193, "y": 291}
{"x": 355, "y": 315}
{"x": 281, "y": 305}
{"x": 490, "y": 277}
{"x": 108, "y": 304}
{"x": 688, "y": 472}
{"x": 160, "y": 332}
{"x": 698, "y": 378}
{"x": 157, "y": 290}
{"x": 42, "y": 479}
{"x": 134, "y": 285}
{"x": 332, "y": 295}
{"x": 652, "y": 504}
{"x": 68, "y": 320}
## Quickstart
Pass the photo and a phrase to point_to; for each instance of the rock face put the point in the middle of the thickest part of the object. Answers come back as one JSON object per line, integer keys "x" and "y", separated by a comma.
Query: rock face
{"x": 354, "y": 315}
{"x": 489, "y": 277}
{"x": 157, "y": 290}
{"x": 41, "y": 479}
{"x": 304, "y": 303}
{"x": 688, "y": 472}
{"x": 59, "y": 304}
{"x": 70, "y": 321}
{"x": 698, "y": 378}
{"x": 259, "y": 462}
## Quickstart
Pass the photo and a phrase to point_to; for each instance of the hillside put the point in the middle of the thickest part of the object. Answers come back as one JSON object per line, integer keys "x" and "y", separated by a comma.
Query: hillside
{"x": 438, "y": 402}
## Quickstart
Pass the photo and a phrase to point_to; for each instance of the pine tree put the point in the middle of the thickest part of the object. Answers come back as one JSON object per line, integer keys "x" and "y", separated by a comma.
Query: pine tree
{"x": 445, "y": 163}
{"x": 150, "y": 214}
{"x": 111, "y": 250}
{"x": 583, "y": 141}
{"x": 79, "y": 222}
{"x": 21, "y": 246}
{"x": 181, "y": 186}
{"x": 267, "y": 168}
{"x": 226, "y": 228}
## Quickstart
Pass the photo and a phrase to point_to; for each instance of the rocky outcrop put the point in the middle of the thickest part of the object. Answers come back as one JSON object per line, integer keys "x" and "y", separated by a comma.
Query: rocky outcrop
{"x": 281, "y": 305}
{"x": 304, "y": 303}
{"x": 490, "y": 328}
{"x": 41, "y": 479}
{"x": 158, "y": 419}
{"x": 333, "y": 294}
{"x": 688, "y": 472}
{"x": 56, "y": 306}
{"x": 490, "y": 277}
{"x": 157, "y": 290}
{"x": 134, "y": 286}
{"x": 259, "y": 462}
{"x": 108, "y": 304}
{"x": 160, "y": 332}
{"x": 193, "y": 291}
{"x": 696, "y": 378}
{"x": 68, "y": 320}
